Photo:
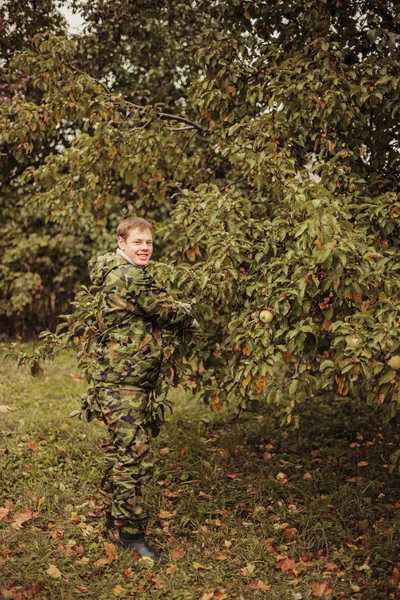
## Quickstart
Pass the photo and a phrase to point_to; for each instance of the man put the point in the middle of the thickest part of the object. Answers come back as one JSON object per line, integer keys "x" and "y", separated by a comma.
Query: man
{"x": 132, "y": 312}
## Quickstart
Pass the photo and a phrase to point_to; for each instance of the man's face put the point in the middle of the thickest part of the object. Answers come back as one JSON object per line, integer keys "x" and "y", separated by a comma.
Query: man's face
{"x": 138, "y": 246}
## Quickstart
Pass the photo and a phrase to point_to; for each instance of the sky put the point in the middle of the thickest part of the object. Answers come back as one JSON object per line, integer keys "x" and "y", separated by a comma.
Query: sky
{"x": 75, "y": 21}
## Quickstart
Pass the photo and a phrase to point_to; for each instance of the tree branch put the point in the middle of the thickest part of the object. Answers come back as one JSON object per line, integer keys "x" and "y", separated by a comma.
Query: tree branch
{"x": 163, "y": 116}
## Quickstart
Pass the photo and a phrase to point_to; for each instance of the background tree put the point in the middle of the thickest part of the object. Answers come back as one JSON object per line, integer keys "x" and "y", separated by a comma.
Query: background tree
{"x": 263, "y": 140}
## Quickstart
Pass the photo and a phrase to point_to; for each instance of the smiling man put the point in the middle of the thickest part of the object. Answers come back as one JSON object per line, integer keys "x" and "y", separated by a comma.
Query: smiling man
{"x": 132, "y": 313}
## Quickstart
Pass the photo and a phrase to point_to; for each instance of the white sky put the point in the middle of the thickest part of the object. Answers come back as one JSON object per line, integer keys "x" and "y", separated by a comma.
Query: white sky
{"x": 74, "y": 20}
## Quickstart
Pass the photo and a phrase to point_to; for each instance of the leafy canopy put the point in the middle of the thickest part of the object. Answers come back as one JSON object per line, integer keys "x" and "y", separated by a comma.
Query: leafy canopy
{"x": 262, "y": 138}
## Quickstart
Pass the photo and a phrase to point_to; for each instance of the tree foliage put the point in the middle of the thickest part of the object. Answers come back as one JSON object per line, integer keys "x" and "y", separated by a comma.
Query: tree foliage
{"x": 262, "y": 138}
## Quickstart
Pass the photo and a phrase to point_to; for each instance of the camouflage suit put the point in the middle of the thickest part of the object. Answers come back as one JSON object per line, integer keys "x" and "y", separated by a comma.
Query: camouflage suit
{"x": 132, "y": 312}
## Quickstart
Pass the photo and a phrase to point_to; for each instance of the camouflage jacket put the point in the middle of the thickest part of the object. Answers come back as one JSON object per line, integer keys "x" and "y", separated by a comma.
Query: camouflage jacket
{"x": 132, "y": 312}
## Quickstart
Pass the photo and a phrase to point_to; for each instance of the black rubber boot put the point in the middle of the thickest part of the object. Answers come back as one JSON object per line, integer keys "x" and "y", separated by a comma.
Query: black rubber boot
{"x": 109, "y": 520}
{"x": 138, "y": 543}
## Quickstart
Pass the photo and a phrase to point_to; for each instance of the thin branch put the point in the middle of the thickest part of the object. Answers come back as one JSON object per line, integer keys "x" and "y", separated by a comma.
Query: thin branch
{"x": 101, "y": 84}
{"x": 160, "y": 115}
{"x": 225, "y": 187}
{"x": 182, "y": 153}
{"x": 167, "y": 116}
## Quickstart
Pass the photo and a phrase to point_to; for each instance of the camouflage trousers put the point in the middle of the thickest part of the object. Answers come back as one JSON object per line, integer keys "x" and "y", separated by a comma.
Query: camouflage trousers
{"x": 128, "y": 414}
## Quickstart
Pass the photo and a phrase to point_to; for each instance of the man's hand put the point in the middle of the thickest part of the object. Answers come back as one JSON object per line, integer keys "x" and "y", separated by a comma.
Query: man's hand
{"x": 194, "y": 324}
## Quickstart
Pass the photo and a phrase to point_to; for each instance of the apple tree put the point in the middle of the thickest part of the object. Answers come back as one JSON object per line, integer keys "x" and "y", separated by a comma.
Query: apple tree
{"x": 262, "y": 138}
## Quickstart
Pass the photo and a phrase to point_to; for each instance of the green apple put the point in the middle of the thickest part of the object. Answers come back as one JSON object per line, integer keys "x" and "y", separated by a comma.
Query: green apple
{"x": 394, "y": 363}
{"x": 266, "y": 316}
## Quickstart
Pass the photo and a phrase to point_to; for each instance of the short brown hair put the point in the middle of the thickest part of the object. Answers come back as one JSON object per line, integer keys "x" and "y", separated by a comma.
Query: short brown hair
{"x": 126, "y": 225}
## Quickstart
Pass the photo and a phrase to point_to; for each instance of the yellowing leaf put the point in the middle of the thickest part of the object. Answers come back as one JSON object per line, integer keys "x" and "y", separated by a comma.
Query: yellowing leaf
{"x": 164, "y": 514}
{"x": 246, "y": 380}
{"x": 118, "y": 590}
{"x": 53, "y": 571}
{"x": 64, "y": 426}
{"x": 211, "y": 124}
{"x": 200, "y": 567}
{"x": 260, "y": 383}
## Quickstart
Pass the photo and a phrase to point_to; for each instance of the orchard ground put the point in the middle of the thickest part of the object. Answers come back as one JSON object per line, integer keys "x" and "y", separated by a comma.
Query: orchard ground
{"x": 241, "y": 509}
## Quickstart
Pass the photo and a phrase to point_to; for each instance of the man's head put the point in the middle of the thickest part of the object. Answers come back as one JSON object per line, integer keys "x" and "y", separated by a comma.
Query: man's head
{"x": 135, "y": 238}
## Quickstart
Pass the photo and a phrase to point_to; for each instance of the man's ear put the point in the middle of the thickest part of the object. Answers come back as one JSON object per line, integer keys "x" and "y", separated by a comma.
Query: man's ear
{"x": 120, "y": 241}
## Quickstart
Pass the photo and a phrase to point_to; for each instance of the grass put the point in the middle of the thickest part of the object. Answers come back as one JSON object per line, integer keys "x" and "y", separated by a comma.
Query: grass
{"x": 254, "y": 511}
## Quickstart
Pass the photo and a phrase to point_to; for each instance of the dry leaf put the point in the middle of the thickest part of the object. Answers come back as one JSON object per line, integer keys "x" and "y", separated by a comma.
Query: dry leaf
{"x": 282, "y": 478}
{"x": 118, "y": 590}
{"x": 286, "y": 564}
{"x": 110, "y": 551}
{"x": 4, "y": 408}
{"x": 263, "y": 586}
{"x": 321, "y": 590}
{"x": 247, "y": 570}
{"x": 164, "y": 514}
{"x": 171, "y": 570}
{"x": 164, "y": 451}
{"x": 21, "y": 517}
{"x": 53, "y": 571}
{"x": 207, "y": 596}
{"x": 200, "y": 567}
{"x": 101, "y": 562}
{"x": 83, "y": 561}
{"x": 177, "y": 554}
{"x": 204, "y": 496}
{"x": 3, "y": 513}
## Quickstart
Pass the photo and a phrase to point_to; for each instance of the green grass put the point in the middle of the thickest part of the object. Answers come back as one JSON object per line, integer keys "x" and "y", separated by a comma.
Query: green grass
{"x": 258, "y": 512}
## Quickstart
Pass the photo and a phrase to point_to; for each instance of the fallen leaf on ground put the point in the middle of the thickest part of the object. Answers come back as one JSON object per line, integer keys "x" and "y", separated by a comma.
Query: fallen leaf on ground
{"x": 22, "y": 517}
{"x": 321, "y": 590}
{"x": 110, "y": 551}
{"x": 118, "y": 590}
{"x": 247, "y": 570}
{"x": 282, "y": 478}
{"x": 199, "y": 566}
{"x": 170, "y": 494}
{"x": 3, "y": 513}
{"x": 4, "y": 408}
{"x": 263, "y": 586}
{"x": 207, "y": 596}
{"x": 177, "y": 554}
{"x": 165, "y": 514}
{"x": 128, "y": 573}
{"x": 53, "y": 571}
{"x": 286, "y": 564}
{"x": 172, "y": 569}
{"x": 204, "y": 496}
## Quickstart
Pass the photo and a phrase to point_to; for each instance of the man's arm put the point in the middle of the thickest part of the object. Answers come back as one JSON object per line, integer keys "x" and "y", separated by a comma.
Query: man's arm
{"x": 160, "y": 307}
